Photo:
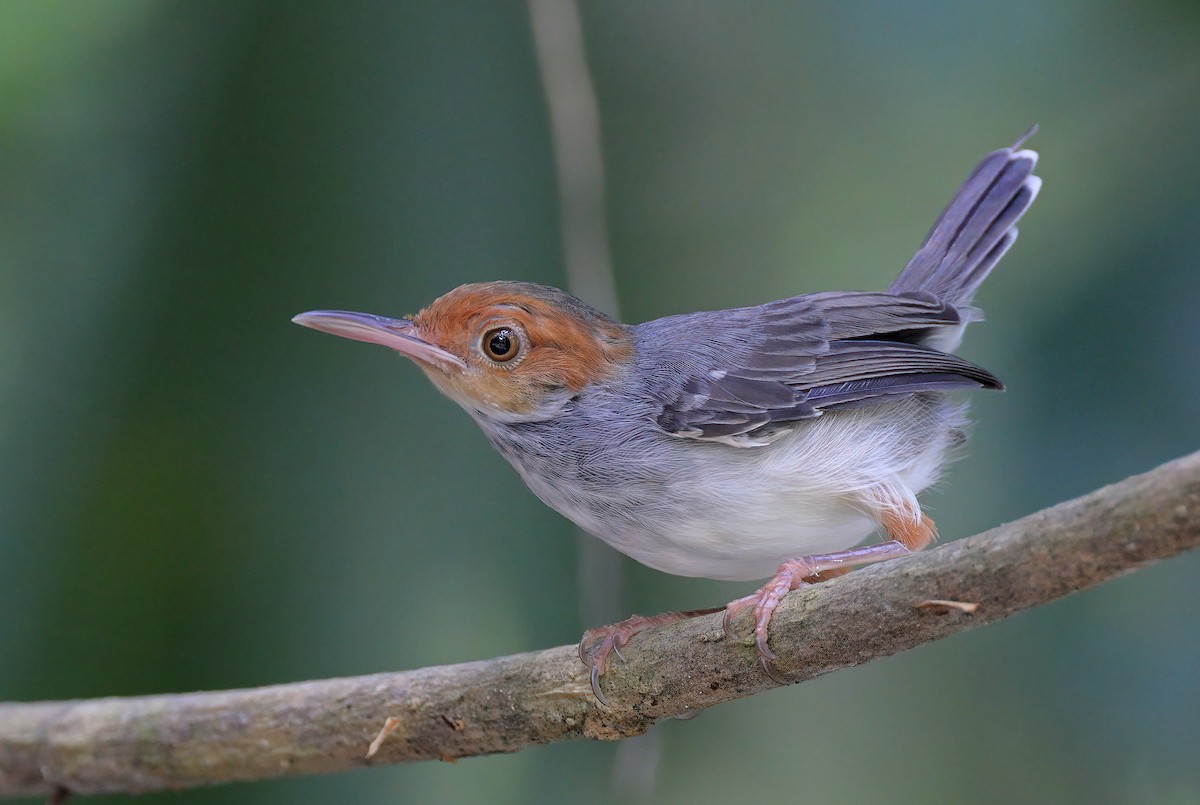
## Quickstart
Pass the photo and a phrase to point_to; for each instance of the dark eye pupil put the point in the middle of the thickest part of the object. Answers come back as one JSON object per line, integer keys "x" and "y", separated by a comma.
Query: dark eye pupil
{"x": 501, "y": 343}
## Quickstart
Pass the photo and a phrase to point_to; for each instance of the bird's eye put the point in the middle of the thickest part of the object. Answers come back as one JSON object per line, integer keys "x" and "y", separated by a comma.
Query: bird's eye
{"x": 501, "y": 344}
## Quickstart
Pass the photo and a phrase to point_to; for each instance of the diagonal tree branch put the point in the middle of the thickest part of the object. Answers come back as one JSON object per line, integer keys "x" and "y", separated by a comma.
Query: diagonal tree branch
{"x": 505, "y": 704}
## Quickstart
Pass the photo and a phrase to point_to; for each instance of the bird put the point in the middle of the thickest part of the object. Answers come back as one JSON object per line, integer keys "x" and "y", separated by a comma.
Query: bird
{"x": 760, "y": 442}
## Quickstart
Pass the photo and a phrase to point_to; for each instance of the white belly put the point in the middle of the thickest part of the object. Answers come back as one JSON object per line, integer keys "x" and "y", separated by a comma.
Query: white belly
{"x": 735, "y": 513}
{"x": 817, "y": 490}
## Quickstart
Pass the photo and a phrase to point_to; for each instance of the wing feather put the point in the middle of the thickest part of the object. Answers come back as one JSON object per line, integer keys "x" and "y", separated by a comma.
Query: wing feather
{"x": 790, "y": 360}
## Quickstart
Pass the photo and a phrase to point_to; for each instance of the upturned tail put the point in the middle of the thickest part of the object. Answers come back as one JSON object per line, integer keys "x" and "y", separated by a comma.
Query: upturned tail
{"x": 975, "y": 230}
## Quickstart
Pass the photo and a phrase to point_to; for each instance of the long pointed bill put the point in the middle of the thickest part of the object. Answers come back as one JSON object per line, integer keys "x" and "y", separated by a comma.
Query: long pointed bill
{"x": 397, "y": 334}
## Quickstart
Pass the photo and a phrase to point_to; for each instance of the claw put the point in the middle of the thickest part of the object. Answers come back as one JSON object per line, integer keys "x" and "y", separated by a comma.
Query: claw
{"x": 764, "y": 651}
{"x": 732, "y": 610}
{"x": 769, "y": 668}
{"x": 596, "y": 691}
{"x": 727, "y": 624}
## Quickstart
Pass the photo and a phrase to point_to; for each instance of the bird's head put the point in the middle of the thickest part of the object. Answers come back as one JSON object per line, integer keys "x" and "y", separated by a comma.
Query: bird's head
{"x": 509, "y": 351}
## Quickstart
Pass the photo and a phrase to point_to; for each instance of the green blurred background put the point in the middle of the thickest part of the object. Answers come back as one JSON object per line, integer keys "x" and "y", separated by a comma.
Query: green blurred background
{"x": 197, "y": 494}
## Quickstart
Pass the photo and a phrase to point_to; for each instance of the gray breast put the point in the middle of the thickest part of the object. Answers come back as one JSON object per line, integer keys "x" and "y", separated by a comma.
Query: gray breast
{"x": 602, "y": 462}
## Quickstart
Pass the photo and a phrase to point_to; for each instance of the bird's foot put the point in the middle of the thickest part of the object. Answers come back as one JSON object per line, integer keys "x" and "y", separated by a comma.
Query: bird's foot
{"x": 600, "y": 643}
{"x": 792, "y": 575}
{"x": 764, "y": 601}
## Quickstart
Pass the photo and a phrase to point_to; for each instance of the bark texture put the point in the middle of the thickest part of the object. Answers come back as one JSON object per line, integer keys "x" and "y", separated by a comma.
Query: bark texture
{"x": 505, "y": 704}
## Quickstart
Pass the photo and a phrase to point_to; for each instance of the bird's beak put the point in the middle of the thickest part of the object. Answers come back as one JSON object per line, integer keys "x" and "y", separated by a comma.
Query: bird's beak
{"x": 397, "y": 334}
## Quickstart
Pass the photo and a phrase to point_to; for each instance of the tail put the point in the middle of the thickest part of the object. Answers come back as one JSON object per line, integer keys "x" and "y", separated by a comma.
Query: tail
{"x": 975, "y": 230}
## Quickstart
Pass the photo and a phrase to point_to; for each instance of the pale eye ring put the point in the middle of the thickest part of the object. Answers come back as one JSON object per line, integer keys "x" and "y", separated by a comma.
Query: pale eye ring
{"x": 501, "y": 344}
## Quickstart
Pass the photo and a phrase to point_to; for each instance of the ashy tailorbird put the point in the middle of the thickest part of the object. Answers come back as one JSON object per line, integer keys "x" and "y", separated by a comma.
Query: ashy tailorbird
{"x": 738, "y": 444}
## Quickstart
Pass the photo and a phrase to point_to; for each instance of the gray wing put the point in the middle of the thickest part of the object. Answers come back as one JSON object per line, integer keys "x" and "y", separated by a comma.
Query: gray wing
{"x": 779, "y": 363}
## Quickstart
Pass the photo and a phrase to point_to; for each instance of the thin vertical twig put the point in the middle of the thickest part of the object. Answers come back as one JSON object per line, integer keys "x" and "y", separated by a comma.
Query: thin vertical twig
{"x": 579, "y": 161}
{"x": 575, "y": 134}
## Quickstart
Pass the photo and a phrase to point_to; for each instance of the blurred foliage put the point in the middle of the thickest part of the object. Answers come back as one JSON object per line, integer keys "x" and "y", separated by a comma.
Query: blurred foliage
{"x": 196, "y": 494}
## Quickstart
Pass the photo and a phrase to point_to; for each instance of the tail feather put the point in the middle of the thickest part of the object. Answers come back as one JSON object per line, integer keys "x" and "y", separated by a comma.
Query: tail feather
{"x": 975, "y": 230}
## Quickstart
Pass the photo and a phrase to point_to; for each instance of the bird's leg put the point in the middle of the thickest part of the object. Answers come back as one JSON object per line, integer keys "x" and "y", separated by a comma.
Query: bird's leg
{"x": 826, "y": 575}
{"x": 598, "y": 644}
{"x": 908, "y": 533}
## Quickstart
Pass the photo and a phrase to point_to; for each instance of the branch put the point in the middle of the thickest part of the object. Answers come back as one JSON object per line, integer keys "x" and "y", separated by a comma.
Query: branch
{"x": 505, "y": 704}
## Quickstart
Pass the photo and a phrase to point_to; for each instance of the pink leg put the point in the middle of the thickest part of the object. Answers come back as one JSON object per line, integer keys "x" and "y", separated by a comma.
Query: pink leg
{"x": 792, "y": 575}
{"x": 605, "y": 641}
